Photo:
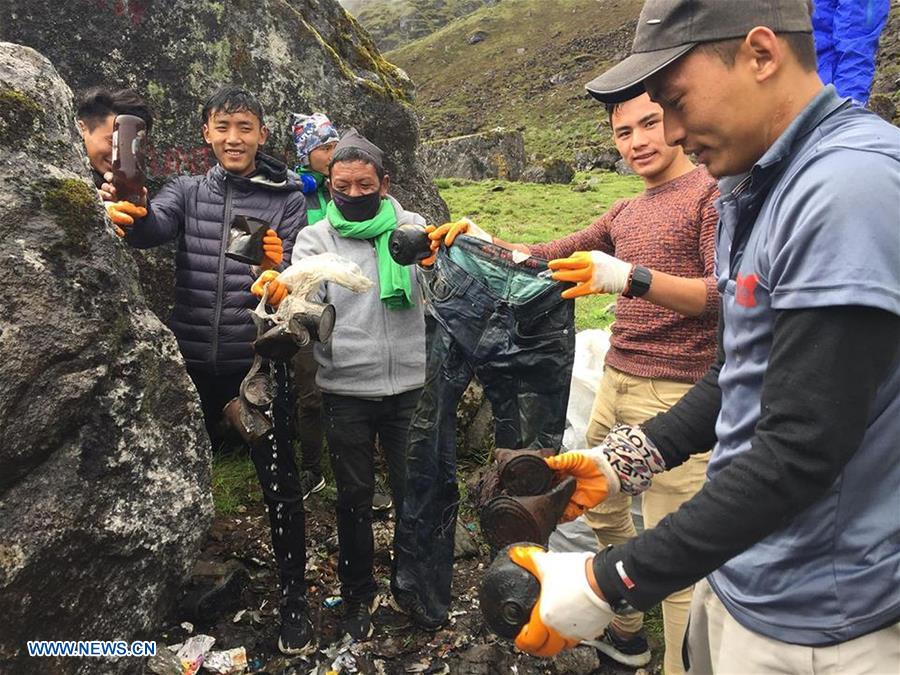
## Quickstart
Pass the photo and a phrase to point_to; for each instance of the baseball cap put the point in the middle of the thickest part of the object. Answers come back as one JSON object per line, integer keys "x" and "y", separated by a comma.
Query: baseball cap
{"x": 669, "y": 29}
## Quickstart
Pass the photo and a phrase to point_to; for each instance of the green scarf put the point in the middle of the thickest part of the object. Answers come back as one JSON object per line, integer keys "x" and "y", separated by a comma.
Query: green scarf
{"x": 396, "y": 283}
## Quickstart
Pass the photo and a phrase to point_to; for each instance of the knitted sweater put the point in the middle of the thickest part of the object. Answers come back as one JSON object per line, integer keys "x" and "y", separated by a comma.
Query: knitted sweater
{"x": 670, "y": 228}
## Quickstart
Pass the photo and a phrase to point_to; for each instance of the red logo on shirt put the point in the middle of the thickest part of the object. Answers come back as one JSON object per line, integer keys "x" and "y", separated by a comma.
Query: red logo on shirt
{"x": 746, "y": 287}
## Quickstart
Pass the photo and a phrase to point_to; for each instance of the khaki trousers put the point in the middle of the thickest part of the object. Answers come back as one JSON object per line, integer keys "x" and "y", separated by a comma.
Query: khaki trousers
{"x": 719, "y": 644}
{"x": 627, "y": 399}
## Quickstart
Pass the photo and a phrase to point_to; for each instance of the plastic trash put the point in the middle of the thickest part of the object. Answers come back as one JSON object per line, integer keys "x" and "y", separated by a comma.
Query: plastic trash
{"x": 229, "y": 662}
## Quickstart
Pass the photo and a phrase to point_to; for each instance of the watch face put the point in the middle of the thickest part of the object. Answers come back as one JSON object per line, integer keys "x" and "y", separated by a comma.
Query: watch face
{"x": 640, "y": 281}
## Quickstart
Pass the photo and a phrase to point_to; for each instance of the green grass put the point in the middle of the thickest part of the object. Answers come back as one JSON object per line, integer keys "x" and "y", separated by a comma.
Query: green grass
{"x": 529, "y": 213}
{"x": 234, "y": 482}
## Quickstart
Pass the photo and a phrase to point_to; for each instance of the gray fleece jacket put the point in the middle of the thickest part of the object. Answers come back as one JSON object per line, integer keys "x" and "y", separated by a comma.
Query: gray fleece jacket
{"x": 374, "y": 351}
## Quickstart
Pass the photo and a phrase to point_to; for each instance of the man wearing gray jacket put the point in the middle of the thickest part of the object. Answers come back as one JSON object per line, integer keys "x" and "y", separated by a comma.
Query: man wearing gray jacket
{"x": 372, "y": 371}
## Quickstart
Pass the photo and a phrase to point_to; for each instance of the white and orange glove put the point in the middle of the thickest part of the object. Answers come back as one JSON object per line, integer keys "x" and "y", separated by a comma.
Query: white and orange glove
{"x": 273, "y": 250}
{"x": 626, "y": 462}
{"x": 592, "y": 271}
{"x": 268, "y": 281}
{"x": 447, "y": 233}
{"x": 568, "y": 610}
{"x": 122, "y": 214}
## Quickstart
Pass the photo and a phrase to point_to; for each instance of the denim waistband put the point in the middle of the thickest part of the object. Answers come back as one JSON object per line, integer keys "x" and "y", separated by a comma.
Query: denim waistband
{"x": 471, "y": 274}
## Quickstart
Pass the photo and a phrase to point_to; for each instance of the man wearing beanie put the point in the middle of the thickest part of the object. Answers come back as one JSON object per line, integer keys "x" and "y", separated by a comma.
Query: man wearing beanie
{"x": 372, "y": 370}
{"x": 792, "y": 541}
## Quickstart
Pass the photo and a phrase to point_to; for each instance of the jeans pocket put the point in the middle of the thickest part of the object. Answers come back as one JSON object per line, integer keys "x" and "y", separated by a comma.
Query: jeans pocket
{"x": 440, "y": 289}
{"x": 549, "y": 326}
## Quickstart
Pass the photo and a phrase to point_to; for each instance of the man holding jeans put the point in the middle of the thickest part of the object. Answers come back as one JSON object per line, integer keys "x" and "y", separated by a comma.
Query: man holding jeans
{"x": 792, "y": 540}
{"x": 663, "y": 339}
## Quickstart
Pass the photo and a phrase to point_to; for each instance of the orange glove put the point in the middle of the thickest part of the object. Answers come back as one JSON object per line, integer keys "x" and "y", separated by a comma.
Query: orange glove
{"x": 269, "y": 280}
{"x": 568, "y": 610}
{"x": 447, "y": 233}
{"x": 123, "y": 214}
{"x": 273, "y": 250}
{"x": 592, "y": 271}
{"x": 429, "y": 261}
{"x": 591, "y": 482}
{"x": 626, "y": 462}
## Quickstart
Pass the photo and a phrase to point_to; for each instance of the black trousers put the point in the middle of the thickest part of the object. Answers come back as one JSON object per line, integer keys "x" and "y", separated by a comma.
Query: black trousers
{"x": 309, "y": 410}
{"x": 352, "y": 426}
{"x": 276, "y": 469}
{"x": 215, "y": 391}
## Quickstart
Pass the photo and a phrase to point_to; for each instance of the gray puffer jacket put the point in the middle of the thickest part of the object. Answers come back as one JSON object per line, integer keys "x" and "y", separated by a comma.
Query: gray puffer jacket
{"x": 211, "y": 317}
{"x": 374, "y": 351}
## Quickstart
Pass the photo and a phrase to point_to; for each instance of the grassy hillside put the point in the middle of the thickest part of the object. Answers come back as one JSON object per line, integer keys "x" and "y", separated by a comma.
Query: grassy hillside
{"x": 529, "y": 71}
{"x": 394, "y": 23}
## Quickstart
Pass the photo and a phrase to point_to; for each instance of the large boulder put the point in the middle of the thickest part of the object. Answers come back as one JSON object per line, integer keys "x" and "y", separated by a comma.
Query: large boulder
{"x": 296, "y": 55}
{"x": 104, "y": 462}
{"x": 553, "y": 170}
{"x": 490, "y": 154}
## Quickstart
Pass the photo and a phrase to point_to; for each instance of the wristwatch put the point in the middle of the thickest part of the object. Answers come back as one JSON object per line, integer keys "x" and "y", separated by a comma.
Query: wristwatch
{"x": 638, "y": 282}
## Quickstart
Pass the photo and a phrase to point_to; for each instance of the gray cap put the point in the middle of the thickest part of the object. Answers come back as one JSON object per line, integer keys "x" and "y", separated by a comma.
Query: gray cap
{"x": 353, "y": 139}
{"x": 668, "y": 29}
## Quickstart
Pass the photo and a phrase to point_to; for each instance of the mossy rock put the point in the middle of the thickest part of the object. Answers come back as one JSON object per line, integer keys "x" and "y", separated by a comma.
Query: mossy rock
{"x": 19, "y": 114}
{"x": 73, "y": 204}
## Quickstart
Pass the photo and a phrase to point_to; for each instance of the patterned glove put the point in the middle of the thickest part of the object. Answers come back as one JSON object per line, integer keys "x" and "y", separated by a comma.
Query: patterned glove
{"x": 273, "y": 250}
{"x": 269, "y": 280}
{"x": 568, "y": 610}
{"x": 592, "y": 272}
{"x": 625, "y": 462}
{"x": 634, "y": 458}
{"x": 123, "y": 214}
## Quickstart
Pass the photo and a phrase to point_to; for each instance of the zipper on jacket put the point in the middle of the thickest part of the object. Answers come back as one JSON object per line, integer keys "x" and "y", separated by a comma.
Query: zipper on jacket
{"x": 220, "y": 279}
{"x": 384, "y": 325}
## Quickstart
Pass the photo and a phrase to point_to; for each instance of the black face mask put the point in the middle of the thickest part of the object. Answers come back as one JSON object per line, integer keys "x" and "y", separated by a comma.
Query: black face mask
{"x": 357, "y": 209}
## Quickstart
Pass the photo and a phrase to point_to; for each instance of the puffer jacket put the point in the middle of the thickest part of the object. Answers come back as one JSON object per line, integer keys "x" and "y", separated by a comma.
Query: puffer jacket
{"x": 211, "y": 317}
{"x": 374, "y": 351}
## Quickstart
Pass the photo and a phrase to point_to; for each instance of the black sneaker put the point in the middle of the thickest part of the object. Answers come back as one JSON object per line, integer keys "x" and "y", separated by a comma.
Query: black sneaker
{"x": 310, "y": 483}
{"x": 633, "y": 651}
{"x": 381, "y": 502}
{"x": 296, "y": 636}
{"x": 357, "y": 622}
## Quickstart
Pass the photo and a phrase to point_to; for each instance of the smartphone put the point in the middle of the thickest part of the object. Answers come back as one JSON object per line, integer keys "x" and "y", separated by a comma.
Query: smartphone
{"x": 129, "y": 157}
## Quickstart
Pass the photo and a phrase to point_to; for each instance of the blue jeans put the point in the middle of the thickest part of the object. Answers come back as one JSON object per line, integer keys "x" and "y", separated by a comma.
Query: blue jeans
{"x": 496, "y": 320}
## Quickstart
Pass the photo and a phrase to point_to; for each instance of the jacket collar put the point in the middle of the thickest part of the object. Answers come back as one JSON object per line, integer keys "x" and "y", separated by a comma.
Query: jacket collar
{"x": 270, "y": 174}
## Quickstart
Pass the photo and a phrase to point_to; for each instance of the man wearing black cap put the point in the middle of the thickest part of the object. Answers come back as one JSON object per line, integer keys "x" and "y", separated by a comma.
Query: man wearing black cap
{"x": 372, "y": 370}
{"x": 793, "y": 539}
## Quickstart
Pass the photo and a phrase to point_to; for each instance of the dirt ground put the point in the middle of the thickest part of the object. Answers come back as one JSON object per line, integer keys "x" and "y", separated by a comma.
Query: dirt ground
{"x": 463, "y": 646}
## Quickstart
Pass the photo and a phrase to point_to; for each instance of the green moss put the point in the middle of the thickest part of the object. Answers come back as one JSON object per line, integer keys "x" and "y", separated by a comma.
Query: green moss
{"x": 18, "y": 114}
{"x": 73, "y": 205}
{"x": 391, "y": 82}
{"x": 156, "y": 92}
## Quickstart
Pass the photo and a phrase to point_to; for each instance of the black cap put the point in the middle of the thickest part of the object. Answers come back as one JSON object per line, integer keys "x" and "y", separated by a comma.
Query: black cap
{"x": 353, "y": 139}
{"x": 669, "y": 29}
